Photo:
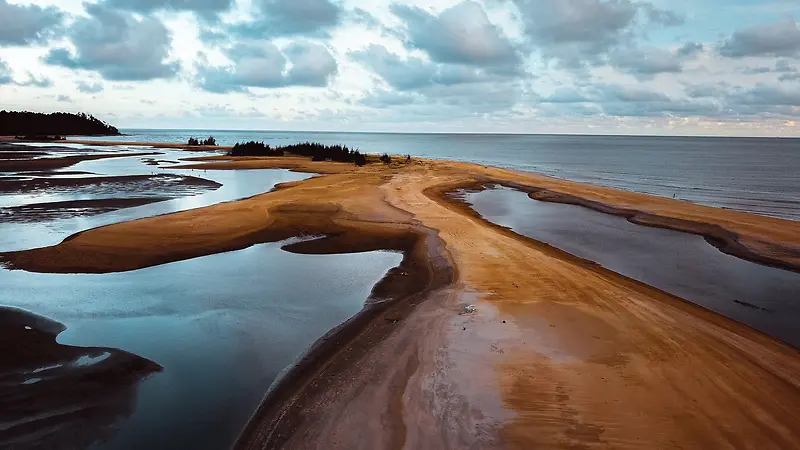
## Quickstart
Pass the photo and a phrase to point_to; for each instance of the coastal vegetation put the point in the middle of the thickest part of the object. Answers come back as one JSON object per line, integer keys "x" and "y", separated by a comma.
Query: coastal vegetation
{"x": 211, "y": 142}
{"x": 39, "y": 126}
{"x": 315, "y": 150}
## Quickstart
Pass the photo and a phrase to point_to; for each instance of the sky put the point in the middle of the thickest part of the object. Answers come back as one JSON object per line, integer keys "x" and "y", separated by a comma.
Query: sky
{"x": 658, "y": 67}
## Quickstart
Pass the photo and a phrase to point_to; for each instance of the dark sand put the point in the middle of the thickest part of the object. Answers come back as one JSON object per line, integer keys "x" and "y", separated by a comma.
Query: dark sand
{"x": 38, "y": 212}
{"x": 60, "y": 396}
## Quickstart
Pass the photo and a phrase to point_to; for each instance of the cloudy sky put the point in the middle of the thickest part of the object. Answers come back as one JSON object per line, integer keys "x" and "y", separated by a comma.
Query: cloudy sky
{"x": 708, "y": 67}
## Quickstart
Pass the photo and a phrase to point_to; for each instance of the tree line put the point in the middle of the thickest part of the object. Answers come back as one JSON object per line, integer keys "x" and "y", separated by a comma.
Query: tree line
{"x": 36, "y": 125}
{"x": 317, "y": 151}
{"x": 207, "y": 142}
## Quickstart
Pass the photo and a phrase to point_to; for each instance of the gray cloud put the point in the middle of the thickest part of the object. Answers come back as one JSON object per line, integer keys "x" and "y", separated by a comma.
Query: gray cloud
{"x": 789, "y": 77}
{"x": 459, "y": 88}
{"x": 405, "y": 74}
{"x": 87, "y": 88}
{"x": 34, "y": 81}
{"x": 401, "y": 74}
{"x": 756, "y": 70}
{"x": 117, "y": 45}
{"x": 690, "y": 49}
{"x": 623, "y": 101}
{"x": 63, "y": 98}
{"x": 27, "y": 25}
{"x": 462, "y": 34}
{"x": 645, "y": 64}
{"x": 772, "y": 39}
{"x": 566, "y": 95}
{"x": 204, "y": 8}
{"x": 6, "y": 76}
{"x": 312, "y": 65}
{"x": 263, "y": 65}
{"x": 706, "y": 90}
{"x": 580, "y": 32}
{"x": 763, "y": 95}
{"x": 291, "y": 18}
{"x": 785, "y": 66}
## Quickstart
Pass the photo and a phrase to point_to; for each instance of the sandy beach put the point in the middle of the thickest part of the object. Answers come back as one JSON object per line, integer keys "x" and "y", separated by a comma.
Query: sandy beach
{"x": 560, "y": 352}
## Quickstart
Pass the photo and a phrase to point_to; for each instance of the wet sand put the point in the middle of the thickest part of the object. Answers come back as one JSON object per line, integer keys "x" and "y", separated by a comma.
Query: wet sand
{"x": 561, "y": 353}
{"x": 61, "y": 396}
{"x": 38, "y": 212}
{"x": 22, "y": 158}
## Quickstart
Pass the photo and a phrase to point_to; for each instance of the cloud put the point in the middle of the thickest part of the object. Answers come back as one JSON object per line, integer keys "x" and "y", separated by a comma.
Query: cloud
{"x": 275, "y": 18}
{"x": 580, "y": 32}
{"x": 117, "y": 45}
{"x": 6, "y": 76}
{"x": 566, "y": 95}
{"x": 312, "y": 64}
{"x": 784, "y": 66}
{"x": 402, "y": 74}
{"x": 87, "y": 88}
{"x": 706, "y": 90}
{"x": 34, "y": 81}
{"x": 461, "y": 89}
{"x": 203, "y": 8}
{"x": 690, "y": 49}
{"x": 763, "y": 95}
{"x": 29, "y": 24}
{"x": 462, "y": 34}
{"x": 262, "y": 65}
{"x": 646, "y": 63}
{"x": 63, "y": 98}
{"x": 413, "y": 73}
{"x": 781, "y": 38}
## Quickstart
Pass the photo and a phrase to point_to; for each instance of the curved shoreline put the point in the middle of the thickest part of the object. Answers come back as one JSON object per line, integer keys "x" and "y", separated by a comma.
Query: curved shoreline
{"x": 718, "y": 236}
{"x": 283, "y": 408}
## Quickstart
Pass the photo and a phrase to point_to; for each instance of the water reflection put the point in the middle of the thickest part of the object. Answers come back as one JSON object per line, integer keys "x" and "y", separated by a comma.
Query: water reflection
{"x": 680, "y": 263}
{"x": 60, "y": 396}
{"x": 235, "y": 185}
{"x": 222, "y": 326}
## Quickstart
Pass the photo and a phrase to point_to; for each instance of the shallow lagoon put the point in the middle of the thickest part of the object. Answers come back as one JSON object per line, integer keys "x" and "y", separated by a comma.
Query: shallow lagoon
{"x": 223, "y": 327}
{"x": 682, "y": 264}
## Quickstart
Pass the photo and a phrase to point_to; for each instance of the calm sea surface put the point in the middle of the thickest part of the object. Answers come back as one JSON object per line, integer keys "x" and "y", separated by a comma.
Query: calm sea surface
{"x": 757, "y": 175}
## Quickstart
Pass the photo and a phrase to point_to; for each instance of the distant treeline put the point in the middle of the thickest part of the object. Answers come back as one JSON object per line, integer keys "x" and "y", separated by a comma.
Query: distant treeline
{"x": 210, "y": 141}
{"x": 317, "y": 151}
{"x": 23, "y": 123}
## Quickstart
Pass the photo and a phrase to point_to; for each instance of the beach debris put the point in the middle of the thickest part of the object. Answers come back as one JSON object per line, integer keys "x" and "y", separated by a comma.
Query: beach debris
{"x": 470, "y": 309}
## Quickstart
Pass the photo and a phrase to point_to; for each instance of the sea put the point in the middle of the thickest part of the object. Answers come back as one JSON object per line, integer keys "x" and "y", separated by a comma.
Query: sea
{"x": 755, "y": 175}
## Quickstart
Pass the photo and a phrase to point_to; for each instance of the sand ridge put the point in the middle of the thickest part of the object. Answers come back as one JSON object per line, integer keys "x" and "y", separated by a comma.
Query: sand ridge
{"x": 560, "y": 354}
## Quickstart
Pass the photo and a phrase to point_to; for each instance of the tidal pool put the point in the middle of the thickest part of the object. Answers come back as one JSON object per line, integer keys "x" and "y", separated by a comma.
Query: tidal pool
{"x": 682, "y": 264}
{"x": 222, "y": 327}
{"x": 236, "y": 184}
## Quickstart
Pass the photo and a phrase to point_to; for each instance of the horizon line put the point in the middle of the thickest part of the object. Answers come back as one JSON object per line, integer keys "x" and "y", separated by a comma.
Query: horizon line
{"x": 468, "y": 133}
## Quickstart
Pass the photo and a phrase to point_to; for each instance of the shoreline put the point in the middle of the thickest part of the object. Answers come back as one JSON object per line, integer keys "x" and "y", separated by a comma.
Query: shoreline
{"x": 613, "y": 330}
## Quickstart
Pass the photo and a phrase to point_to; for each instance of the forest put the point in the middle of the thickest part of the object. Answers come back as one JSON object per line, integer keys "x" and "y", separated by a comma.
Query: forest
{"x": 35, "y": 125}
{"x": 317, "y": 151}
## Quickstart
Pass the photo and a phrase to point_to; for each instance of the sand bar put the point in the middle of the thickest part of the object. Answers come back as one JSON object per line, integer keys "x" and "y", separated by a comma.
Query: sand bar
{"x": 561, "y": 353}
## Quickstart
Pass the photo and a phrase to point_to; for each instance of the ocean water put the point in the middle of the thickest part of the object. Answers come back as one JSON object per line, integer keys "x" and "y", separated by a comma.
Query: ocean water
{"x": 756, "y": 175}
